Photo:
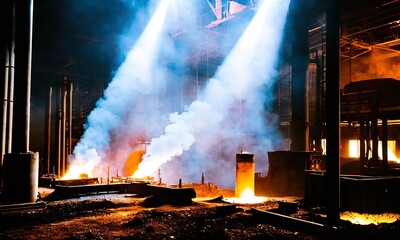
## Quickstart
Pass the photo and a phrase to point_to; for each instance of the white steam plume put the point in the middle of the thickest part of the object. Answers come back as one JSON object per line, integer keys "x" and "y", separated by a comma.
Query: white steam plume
{"x": 238, "y": 85}
{"x": 134, "y": 79}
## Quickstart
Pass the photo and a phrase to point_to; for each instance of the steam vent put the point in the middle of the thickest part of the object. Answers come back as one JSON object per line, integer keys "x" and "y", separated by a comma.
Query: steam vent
{"x": 199, "y": 119}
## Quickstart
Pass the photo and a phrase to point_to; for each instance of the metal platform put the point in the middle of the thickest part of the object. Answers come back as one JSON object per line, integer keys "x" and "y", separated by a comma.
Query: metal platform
{"x": 359, "y": 193}
{"x": 373, "y": 105}
{"x": 371, "y": 99}
{"x": 71, "y": 191}
{"x": 158, "y": 194}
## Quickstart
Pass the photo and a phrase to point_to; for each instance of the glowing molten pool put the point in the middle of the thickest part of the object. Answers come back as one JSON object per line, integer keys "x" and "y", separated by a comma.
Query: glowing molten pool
{"x": 366, "y": 219}
{"x": 247, "y": 197}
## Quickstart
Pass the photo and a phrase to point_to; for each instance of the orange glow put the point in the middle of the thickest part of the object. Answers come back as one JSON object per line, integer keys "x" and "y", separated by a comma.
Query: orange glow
{"x": 132, "y": 163}
{"x": 244, "y": 188}
{"x": 247, "y": 197}
{"x": 366, "y": 219}
{"x": 143, "y": 170}
{"x": 354, "y": 150}
{"x": 244, "y": 174}
{"x": 75, "y": 171}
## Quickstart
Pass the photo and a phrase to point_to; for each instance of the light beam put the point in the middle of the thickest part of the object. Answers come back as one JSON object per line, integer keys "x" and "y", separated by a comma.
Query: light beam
{"x": 247, "y": 71}
{"x": 135, "y": 78}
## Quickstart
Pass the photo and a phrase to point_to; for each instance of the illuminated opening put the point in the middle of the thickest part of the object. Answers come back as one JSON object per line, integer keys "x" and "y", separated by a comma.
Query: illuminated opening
{"x": 323, "y": 146}
{"x": 354, "y": 150}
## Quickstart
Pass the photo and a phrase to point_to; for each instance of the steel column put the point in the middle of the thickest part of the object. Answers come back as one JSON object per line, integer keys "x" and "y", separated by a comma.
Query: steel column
{"x": 333, "y": 115}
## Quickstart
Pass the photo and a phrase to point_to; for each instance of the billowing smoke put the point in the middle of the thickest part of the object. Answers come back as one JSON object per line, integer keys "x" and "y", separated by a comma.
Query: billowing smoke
{"x": 145, "y": 106}
{"x": 377, "y": 63}
{"x": 231, "y": 113}
{"x": 132, "y": 85}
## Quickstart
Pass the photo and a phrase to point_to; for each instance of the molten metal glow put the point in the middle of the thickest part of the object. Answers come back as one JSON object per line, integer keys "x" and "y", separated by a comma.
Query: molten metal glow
{"x": 366, "y": 219}
{"x": 75, "y": 171}
{"x": 244, "y": 175}
{"x": 247, "y": 197}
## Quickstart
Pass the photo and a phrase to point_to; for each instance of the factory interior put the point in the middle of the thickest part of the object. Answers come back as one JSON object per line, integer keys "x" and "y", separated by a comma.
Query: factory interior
{"x": 243, "y": 104}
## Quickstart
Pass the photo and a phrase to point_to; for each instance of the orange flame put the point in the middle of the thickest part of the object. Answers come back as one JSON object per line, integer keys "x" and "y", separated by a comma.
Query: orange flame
{"x": 247, "y": 197}
{"x": 75, "y": 171}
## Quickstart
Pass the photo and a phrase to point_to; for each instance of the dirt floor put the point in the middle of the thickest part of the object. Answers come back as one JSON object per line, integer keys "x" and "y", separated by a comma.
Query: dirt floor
{"x": 128, "y": 216}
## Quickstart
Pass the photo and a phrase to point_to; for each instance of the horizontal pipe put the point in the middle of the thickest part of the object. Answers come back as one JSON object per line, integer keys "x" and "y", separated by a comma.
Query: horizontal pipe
{"x": 292, "y": 223}
{"x": 21, "y": 206}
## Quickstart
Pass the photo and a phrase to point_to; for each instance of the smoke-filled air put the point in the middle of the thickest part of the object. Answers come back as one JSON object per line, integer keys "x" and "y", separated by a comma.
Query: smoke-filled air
{"x": 183, "y": 123}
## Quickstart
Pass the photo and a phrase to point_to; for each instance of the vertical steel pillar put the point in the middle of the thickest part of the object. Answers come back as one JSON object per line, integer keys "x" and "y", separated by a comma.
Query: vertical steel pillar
{"x": 59, "y": 129}
{"x": 21, "y": 187}
{"x": 48, "y": 130}
{"x": 300, "y": 61}
{"x": 384, "y": 143}
{"x": 7, "y": 44}
{"x": 363, "y": 161}
{"x": 375, "y": 137}
{"x": 333, "y": 115}
{"x": 22, "y": 94}
{"x": 63, "y": 126}
{"x": 70, "y": 101}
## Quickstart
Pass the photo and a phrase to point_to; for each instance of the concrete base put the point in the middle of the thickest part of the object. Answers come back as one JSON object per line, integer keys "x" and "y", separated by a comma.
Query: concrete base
{"x": 21, "y": 178}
